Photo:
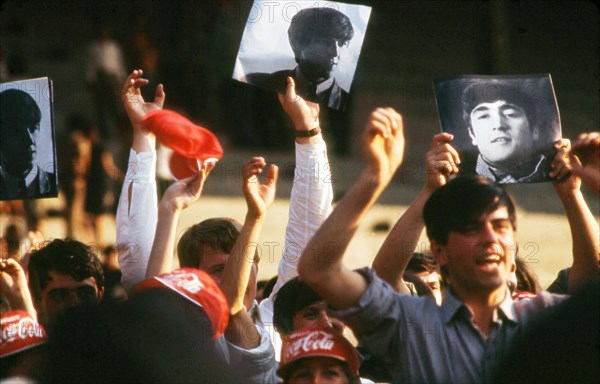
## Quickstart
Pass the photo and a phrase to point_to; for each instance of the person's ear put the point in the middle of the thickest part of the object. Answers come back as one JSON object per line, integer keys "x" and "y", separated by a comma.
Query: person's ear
{"x": 100, "y": 294}
{"x": 472, "y": 135}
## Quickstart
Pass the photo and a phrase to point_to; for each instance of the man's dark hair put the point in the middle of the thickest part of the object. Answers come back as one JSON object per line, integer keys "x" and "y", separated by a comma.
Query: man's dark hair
{"x": 311, "y": 23}
{"x": 422, "y": 262}
{"x": 461, "y": 202}
{"x": 291, "y": 298}
{"x": 526, "y": 279}
{"x": 69, "y": 257}
{"x": 491, "y": 91}
{"x": 217, "y": 233}
{"x": 17, "y": 108}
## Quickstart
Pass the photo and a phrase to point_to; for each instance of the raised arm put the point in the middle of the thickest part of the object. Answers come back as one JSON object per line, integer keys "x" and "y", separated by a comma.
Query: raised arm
{"x": 321, "y": 263}
{"x": 312, "y": 192}
{"x": 176, "y": 198}
{"x": 584, "y": 228}
{"x": 441, "y": 161}
{"x": 241, "y": 330}
{"x": 137, "y": 211}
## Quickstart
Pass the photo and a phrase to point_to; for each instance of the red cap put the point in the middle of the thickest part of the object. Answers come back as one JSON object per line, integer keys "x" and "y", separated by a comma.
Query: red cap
{"x": 192, "y": 144}
{"x": 19, "y": 333}
{"x": 523, "y": 295}
{"x": 317, "y": 341}
{"x": 199, "y": 288}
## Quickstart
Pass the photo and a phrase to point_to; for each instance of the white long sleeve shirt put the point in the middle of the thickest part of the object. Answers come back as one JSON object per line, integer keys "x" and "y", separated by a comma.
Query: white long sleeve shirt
{"x": 310, "y": 205}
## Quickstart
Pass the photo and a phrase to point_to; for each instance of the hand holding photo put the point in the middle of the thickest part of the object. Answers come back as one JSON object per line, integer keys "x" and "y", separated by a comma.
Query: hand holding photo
{"x": 504, "y": 126}
{"x": 318, "y": 44}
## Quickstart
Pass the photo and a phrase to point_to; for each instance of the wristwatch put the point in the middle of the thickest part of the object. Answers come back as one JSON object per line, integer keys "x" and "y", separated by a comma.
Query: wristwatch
{"x": 310, "y": 133}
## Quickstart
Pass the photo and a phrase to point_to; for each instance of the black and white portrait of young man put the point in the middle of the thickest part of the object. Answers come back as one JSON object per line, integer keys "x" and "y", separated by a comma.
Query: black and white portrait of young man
{"x": 27, "y": 150}
{"x": 316, "y": 43}
{"x": 504, "y": 126}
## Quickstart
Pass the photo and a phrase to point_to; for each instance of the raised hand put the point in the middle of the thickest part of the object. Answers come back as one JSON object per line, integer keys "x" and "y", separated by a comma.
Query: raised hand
{"x": 304, "y": 114}
{"x": 259, "y": 197}
{"x": 564, "y": 180}
{"x": 135, "y": 105}
{"x": 441, "y": 161}
{"x": 587, "y": 149}
{"x": 383, "y": 142}
{"x": 13, "y": 286}
{"x": 183, "y": 193}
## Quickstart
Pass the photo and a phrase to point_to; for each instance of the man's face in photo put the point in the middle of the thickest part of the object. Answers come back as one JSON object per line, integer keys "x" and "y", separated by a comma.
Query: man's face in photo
{"x": 502, "y": 133}
{"x": 18, "y": 146}
{"x": 320, "y": 57}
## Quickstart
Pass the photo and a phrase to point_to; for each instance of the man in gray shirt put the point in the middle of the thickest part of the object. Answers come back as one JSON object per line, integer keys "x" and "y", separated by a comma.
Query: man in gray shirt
{"x": 471, "y": 224}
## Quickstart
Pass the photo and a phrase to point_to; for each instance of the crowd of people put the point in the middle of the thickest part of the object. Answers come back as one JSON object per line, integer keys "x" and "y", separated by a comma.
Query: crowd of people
{"x": 467, "y": 311}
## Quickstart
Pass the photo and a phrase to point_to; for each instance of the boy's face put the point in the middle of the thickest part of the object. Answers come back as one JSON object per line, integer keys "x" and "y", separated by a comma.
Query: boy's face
{"x": 322, "y": 370}
{"x": 213, "y": 262}
{"x": 64, "y": 291}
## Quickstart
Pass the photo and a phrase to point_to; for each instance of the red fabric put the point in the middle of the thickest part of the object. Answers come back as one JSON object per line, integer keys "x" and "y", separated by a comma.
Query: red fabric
{"x": 199, "y": 288}
{"x": 190, "y": 142}
{"x": 19, "y": 332}
{"x": 317, "y": 342}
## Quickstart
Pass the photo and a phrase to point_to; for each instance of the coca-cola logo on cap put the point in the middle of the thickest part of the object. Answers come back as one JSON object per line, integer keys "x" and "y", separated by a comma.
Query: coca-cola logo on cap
{"x": 315, "y": 341}
{"x": 185, "y": 281}
{"x": 19, "y": 331}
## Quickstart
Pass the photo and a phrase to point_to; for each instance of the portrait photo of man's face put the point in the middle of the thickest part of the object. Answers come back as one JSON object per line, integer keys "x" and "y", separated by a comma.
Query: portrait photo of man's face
{"x": 504, "y": 127}
{"x": 19, "y": 129}
{"x": 502, "y": 133}
{"x": 27, "y": 151}
{"x": 317, "y": 44}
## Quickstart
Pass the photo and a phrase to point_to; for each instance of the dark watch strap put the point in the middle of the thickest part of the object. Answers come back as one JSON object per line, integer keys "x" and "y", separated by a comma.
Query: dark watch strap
{"x": 311, "y": 133}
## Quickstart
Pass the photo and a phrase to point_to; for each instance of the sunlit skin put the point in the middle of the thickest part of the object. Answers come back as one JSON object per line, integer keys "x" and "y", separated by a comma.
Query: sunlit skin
{"x": 318, "y": 370}
{"x": 502, "y": 133}
{"x": 213, "y": 263}
{"x": 433, "y": 281}
{"x": 63, "y": 291}
{"x": 319, "y": 58}
{"x": 479, "y": 259}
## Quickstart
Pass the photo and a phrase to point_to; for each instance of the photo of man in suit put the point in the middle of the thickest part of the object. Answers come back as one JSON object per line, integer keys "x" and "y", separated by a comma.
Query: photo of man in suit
{"x": 21, "y": 176}
{"x": 317, "y": 37}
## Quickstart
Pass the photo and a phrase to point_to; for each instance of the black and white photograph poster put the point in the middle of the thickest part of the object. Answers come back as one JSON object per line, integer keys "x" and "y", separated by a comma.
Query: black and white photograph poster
{"x": 317, "y": 43}
{"x": 504, "y": 127}
{"x": 27, "y": 140}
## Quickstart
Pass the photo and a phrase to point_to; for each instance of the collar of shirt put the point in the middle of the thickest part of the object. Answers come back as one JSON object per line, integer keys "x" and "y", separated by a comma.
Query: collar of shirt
{"x": 521, "y": 173}
{"x": 254, "y": 313}
{"x": 321, "y": 87}
{"x": 12, "y": 183}
{"x": 452, "y": 307}
{"x": 30, "y": 178}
